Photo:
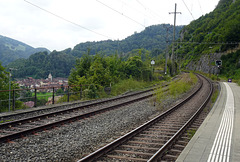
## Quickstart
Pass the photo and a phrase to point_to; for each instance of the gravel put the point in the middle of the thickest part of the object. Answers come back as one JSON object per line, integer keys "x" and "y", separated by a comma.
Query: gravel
{"x": 30, "y": 112}
{"x": 74, "y": 141}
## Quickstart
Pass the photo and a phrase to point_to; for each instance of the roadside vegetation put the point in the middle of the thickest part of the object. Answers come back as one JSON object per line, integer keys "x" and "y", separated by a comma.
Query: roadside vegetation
{"x": 187, "y": 81}
{"x": 214, "y": 95}
{"x": 110, "y": 75}
{"x": 178, "y": 87}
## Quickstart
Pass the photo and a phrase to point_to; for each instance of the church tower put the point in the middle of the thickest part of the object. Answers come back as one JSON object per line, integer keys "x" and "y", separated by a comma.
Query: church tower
{"x": 50, "y": 77}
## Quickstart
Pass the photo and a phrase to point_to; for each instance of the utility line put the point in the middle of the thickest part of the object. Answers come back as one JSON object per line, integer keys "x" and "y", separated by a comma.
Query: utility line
{"x": 121, "y": 13}
{"x": 141, "y": 4}
{"x": 208, "y": 42}
{"x": 135, "y": 9}
{"x": 144, "y": 14}
{"x": 200, "y": 6}
{"x": 146, "y": 8}
{"x": 188, "y": 9}
{"x": 68, "y": 20}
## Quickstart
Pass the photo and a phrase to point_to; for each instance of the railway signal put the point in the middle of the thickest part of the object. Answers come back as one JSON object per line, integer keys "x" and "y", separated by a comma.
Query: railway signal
{"x": 218, "y": 63}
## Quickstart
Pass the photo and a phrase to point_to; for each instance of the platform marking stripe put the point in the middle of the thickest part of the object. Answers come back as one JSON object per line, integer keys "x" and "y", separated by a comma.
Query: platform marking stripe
{"x": 222, "y": 144}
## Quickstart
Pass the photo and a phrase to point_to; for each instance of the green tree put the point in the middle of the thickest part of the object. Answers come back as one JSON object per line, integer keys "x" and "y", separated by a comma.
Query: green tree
{"x": 4, "y": 85}
{"x": 4, "y": 81}
{"x": 134, "y": 67}
{"x": 3, "y": 78}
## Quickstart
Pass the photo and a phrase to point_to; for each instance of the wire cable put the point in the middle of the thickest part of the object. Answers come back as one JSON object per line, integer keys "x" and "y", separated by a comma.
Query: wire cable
{"x": 200, "y": 6}
{"x": 144, "y": 14}
{"x": 121, "y": 13}
{"x": 68, "y": 20}
{"x": 141, "y": 4}
{"x": 188, "y": 9}
{"x": 217, "y": 43}
{"x": 146, "y": 8}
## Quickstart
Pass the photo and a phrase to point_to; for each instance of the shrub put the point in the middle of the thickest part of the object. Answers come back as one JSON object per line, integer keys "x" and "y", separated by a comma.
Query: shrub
{"x": 182, "y": 86}
{"x": 128, "y": 85}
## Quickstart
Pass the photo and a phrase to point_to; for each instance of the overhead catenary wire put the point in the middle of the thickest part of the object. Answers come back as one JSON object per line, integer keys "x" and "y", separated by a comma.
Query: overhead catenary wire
{"x": 217, "y": 43}
{"x": 146, "y": 8}
{"x": 141, "y": 4}
{"x": 200, "y": 6}
{"x": 142, "y": 13}
{"x": 90, "y": 30}
{"x": 121, "y": 13}
{"x": 188, "y": 10}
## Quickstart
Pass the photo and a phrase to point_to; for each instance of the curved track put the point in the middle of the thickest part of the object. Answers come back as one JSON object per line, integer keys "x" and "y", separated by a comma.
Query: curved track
{"x": 153, "y": 139}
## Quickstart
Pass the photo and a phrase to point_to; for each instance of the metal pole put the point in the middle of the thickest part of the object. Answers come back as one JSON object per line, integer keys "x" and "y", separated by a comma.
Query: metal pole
{"x": 9, "y": 103}
{"x": 166, "y": 57}
{"x": 13, "y": 101}
{"x": 53, "y": 96}
{"x": 209, "y": 62}
{"x": 68, "y": 95}
{"x": 9, "y": 106}
{"x": 81, "y": 92}
{"x": 35, "y": 97}
{"x": 174, "y": 30}
{"x": 173, "y": 44}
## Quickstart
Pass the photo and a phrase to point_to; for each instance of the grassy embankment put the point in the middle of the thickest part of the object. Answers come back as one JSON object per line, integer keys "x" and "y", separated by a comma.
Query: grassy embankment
{"x": 43, "y": 95}
{"x": 121, "y": 87}
{"x": 176, "y": 88}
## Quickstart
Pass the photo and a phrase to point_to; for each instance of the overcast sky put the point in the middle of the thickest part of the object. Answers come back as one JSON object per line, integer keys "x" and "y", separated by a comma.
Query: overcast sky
{"x": 60, "y": 24}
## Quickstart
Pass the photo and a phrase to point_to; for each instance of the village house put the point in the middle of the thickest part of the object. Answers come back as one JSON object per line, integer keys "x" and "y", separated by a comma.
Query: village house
{"x": 43, "y": 85}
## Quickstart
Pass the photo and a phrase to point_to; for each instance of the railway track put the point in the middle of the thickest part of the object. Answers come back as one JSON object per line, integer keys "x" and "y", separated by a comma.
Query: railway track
{"x": 174, "y": 151}
{"x": 159, "y": 138}
{"x": 30, "y": 125}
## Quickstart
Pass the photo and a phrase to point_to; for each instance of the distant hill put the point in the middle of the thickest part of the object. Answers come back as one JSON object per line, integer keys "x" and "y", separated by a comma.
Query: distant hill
{"x": 211, "y": 36}
{"x": 11, "y": 50}
{"x": 216, "y": 30}
{"x": 153, "y": 37}
{"x": 40, "y": 64}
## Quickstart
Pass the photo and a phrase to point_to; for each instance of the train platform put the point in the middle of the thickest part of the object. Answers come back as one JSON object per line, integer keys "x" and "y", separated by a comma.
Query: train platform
{"x": 218, "y": 138}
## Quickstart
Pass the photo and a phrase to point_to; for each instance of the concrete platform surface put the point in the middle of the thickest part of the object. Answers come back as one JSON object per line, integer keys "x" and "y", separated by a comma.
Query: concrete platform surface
{"x": 218, "y": 138}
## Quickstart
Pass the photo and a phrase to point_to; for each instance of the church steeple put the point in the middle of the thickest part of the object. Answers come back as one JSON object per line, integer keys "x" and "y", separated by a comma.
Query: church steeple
{"x": 50, "y": 76}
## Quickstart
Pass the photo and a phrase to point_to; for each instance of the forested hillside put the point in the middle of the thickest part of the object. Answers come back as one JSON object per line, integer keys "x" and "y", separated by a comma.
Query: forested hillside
{"x": 153, "y": 37}
{"x": 11, "y": 50}
{"x": 212, "y": 37}
{"x": 217, "y": 31}
{"x": 148, "y": 43}
{"x": 39, "y": 65}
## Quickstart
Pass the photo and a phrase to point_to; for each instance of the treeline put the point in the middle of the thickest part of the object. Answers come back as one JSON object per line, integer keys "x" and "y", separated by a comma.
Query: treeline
{"x": 221, "y": 25}
{"x": 153, "y": 37}
{"x": 59, "y": 64}
{"x": 4, "y": 85}
{"x": 97, "y": 72}
{"x": 105, "y": 70}
{"x": 231, "y": 65}
{"x": 151, "y": 41}
{"x": 39, "y": 65}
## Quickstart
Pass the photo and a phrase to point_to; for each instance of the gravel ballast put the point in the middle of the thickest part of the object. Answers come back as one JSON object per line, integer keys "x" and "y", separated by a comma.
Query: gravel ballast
{"x": 74, "y": 141}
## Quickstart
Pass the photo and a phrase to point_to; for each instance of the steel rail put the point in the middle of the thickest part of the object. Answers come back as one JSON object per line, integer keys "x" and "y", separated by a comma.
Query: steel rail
{"x": 88, "y": 105}
{"x": 71, "y": 109}
{"x": 83, "y": 106}
{"x": 15, "y": 135}
{"x": 171, "y": 141}
{"x": 100, "y": 152}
